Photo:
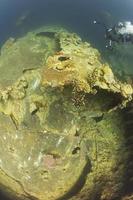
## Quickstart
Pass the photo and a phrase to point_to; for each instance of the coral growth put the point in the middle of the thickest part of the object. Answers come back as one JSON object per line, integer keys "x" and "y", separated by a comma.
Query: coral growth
{"x": 63, "y": 139}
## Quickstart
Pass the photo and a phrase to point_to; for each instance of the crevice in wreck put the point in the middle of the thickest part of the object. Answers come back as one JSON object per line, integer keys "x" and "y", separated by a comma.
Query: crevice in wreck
{"x": 128, "y": 172}
{"x": 108, "y": 100}
{"x": 79, "y": 184}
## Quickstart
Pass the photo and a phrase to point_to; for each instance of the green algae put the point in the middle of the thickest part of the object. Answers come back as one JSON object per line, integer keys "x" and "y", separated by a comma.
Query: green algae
{"x": 28, "y": 52}
{"x": 60, "y": 119}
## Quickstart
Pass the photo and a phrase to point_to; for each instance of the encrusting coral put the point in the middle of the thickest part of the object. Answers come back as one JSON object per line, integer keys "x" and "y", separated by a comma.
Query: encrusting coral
{"x": 63, "y": 137}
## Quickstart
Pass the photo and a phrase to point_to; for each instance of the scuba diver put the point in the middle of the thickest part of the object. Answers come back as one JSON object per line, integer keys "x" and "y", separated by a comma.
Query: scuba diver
{"x": 119, "y": 33}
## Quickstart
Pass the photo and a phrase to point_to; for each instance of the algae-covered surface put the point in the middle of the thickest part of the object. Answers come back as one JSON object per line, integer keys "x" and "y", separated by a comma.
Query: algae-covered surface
{"x": 61, "y": 120}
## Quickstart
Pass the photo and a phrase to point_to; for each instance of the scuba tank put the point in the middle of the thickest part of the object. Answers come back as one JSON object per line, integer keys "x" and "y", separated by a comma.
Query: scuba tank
{"x": 117, "y": 34}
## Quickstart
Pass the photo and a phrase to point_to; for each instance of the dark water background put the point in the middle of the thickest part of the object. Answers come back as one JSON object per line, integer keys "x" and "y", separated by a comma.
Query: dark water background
{"x": 78, "y": 15}
{"x": 19, "y": 16}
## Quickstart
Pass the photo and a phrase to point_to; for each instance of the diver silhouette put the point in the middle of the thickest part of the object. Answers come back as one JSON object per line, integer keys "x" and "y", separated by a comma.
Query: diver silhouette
{"x": 119, "y": 33}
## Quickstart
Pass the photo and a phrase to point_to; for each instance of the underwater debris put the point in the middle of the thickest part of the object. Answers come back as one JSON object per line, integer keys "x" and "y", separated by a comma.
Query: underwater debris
{"x": 28, "y": 52}
{"x": 61, "y": 137}
{"x": 77, "y": 70}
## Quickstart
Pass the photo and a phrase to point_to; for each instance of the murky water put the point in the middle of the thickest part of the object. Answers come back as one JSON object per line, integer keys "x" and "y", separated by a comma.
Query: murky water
{"x": 19, "y": 17}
